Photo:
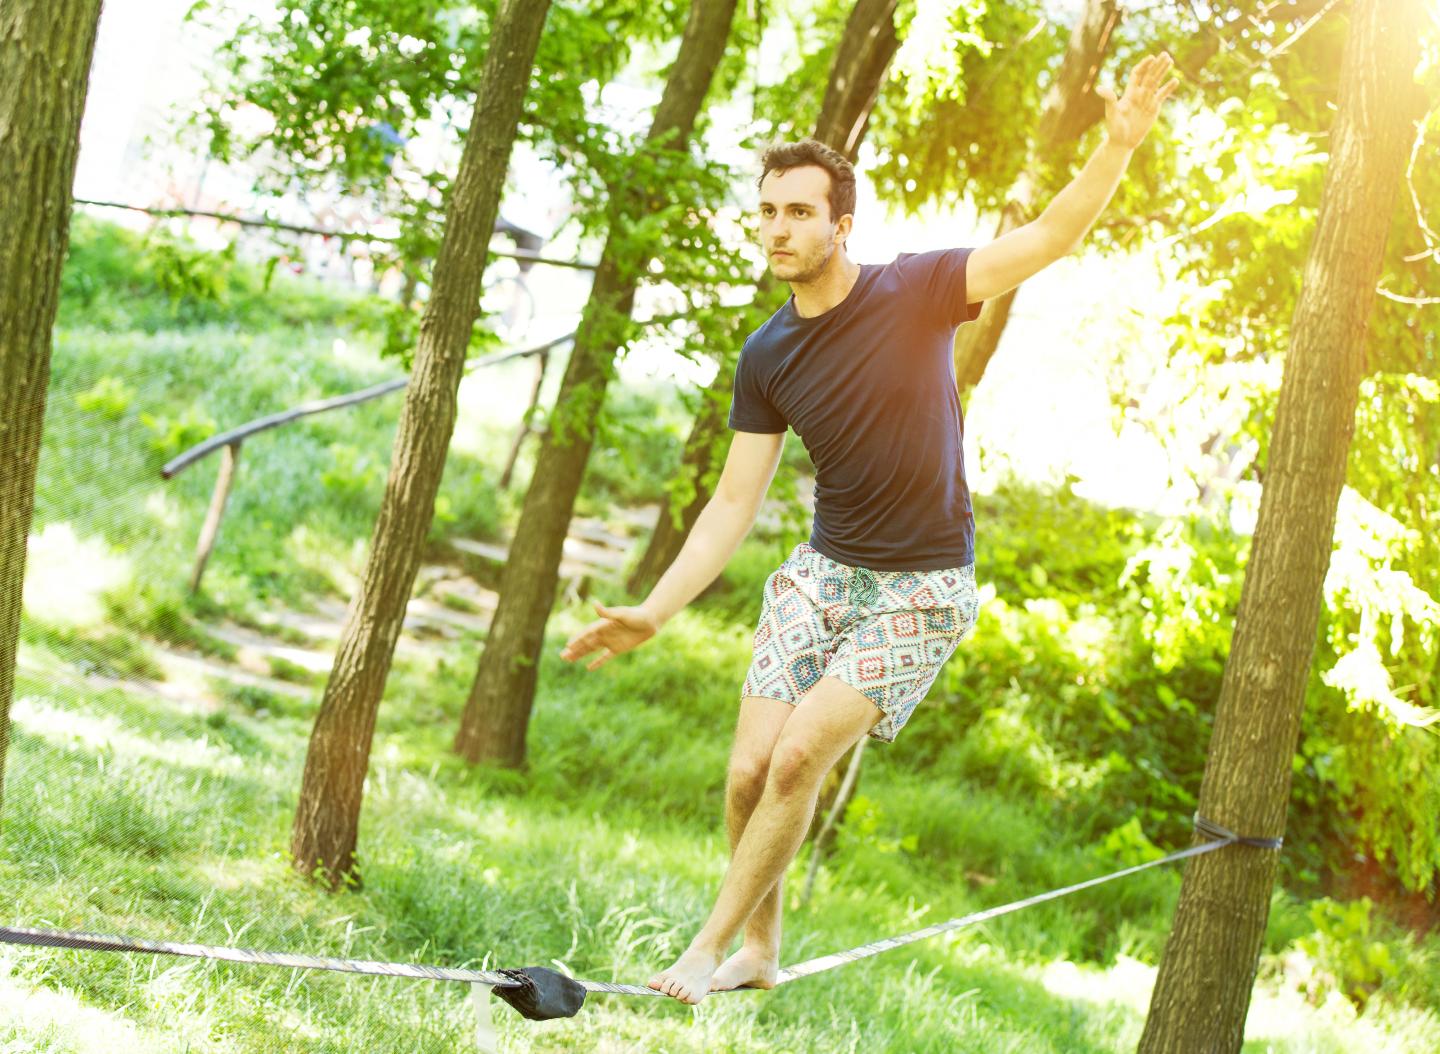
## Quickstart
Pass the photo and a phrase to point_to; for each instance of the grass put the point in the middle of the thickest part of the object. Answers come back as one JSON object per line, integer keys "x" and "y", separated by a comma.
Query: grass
{"x": 125, "y": 814}
{"x": 168, "y": 816}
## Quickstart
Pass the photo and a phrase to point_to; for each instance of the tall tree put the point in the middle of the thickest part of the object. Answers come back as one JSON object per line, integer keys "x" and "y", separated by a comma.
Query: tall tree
{"x": 497, "y": 714}
{"x": 1202, "y": 993}
{"x": 861, "y": 59}
{"x": 45, "y": 52}
{"x": 328, "y": 816}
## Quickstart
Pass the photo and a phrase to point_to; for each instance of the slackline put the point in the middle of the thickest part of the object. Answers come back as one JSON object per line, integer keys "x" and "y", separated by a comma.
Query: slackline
{"x": 76, "y": 940}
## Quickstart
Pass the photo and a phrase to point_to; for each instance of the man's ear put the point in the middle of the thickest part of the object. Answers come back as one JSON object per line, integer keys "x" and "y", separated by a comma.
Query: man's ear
{"x": 842, "y": 228}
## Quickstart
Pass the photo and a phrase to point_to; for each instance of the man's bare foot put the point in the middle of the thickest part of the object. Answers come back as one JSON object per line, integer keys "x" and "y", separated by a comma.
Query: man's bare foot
{"x": 747, "y": 968}
{"x": 689, "y": 979}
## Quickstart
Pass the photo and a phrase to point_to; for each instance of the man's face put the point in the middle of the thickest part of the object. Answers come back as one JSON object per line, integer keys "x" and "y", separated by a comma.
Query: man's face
{"x": 796, "y": 229}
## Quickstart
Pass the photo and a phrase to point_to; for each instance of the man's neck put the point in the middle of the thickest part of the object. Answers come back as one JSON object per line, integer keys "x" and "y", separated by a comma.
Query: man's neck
{"x": 831, "y": 287}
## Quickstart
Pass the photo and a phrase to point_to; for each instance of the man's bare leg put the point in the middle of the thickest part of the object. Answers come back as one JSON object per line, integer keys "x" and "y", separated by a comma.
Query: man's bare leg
{"x": 828, "y": 721}
{"x": 757, "y": 962}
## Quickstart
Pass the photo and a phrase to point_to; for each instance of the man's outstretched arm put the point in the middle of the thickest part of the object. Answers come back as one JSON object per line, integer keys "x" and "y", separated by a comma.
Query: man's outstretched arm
{"x": 1005, "y": 263}
{"x": 722, "y": 524}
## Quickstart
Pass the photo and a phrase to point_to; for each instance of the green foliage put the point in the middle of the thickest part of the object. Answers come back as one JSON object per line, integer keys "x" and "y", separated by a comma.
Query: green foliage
{"x": 955, "y": 114}
{"x": 117, "y": 279}
{"x": 1345, "y": 949}
{"x": 636, "y": 448}
{"x": 172, "y": 435}
{"x": 92, "y": 649}
{"x": 864, "y": 830}
{"x": 110, "y": 398}
{"x": 351, "y": 473}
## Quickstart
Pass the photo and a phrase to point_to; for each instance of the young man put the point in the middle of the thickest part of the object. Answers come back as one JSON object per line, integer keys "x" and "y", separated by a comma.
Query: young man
{"x": 856, "y": 622}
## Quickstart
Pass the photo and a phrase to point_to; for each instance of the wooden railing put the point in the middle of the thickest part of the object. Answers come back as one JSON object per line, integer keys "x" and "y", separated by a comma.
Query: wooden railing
{"x": 229, "y": 442}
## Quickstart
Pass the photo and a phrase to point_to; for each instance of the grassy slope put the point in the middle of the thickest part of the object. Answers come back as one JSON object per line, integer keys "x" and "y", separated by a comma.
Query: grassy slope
{"x": 126, "y": 813}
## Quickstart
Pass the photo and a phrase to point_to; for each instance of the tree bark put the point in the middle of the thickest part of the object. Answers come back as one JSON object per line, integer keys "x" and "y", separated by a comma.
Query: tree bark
{"x": 861, "y": 59}
{"x": 1069, "y": 108}
{"x": 328, "y": 816}
{"x": 1202, "y": 993}
{"x": 45, "y": 52}
{"x": 497, "y": 716}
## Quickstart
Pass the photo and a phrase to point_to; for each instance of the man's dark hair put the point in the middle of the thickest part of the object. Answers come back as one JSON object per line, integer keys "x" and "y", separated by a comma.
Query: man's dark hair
{"x": 781, "y": 157}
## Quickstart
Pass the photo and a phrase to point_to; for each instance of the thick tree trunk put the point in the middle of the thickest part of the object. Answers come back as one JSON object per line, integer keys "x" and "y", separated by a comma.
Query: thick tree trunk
{"x": 1203, "y": 990}
{"x": 328, "y": 816}
{"x": 45, "y": 52}
{"x": 497, "y": 715}
{"x": 861, "y": 59}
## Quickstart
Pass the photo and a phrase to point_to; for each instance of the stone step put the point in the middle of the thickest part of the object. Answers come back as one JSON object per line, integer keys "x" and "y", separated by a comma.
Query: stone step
{"x": 253, "y": 646}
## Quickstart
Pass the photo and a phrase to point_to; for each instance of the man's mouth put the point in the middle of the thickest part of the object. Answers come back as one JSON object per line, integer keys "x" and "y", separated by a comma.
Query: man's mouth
{"x": 782, "y": 252}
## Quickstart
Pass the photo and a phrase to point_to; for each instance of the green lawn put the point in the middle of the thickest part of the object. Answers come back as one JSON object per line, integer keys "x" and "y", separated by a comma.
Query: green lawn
{"x": 128, "y": 814}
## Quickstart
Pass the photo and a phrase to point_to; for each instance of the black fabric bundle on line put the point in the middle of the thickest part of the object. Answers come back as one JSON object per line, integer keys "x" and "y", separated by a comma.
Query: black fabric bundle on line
{"x": 541, "y": 994}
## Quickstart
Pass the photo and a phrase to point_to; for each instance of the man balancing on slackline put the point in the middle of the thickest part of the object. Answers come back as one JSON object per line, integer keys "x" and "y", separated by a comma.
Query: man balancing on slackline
{"x": 857, "y": 622}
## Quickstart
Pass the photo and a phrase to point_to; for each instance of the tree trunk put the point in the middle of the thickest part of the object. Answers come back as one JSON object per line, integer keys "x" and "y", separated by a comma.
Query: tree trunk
{"x": 45, "y": 52}
{"x": 328, "y": 816}
{"x": 497, "y": 715}
{"x": 1203, "y": 989}
{"x": 861, "y": 59}
{"x": 1069, "y": 108}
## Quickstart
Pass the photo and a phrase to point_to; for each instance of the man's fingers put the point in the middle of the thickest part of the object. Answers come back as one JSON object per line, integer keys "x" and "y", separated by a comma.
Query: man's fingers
{"x": 605, "y": 656}
{"x": 583, "y": 643}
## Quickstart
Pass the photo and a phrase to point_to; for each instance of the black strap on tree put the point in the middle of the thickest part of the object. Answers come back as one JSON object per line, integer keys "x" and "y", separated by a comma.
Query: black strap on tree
{"x": 1211, "y": 829}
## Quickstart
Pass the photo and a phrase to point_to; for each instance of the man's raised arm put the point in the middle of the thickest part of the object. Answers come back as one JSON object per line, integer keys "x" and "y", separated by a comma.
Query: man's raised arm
{"x": 1009, "y": 260}
{"x": 721, "y": 526}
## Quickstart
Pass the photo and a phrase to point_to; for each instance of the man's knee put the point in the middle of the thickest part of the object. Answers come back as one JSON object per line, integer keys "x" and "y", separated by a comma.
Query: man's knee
{"x": 747, "y": 775}
{"x": 794, "y": 768}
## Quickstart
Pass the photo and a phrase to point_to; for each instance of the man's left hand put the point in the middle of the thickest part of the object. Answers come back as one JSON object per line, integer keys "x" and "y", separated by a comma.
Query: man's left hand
{"x": 1128, "y": 118}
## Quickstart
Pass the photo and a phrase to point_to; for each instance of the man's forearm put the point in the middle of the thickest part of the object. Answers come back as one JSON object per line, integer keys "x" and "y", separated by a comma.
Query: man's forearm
{"x": 717, "y": 533}
{"x": 1076, "y": 208}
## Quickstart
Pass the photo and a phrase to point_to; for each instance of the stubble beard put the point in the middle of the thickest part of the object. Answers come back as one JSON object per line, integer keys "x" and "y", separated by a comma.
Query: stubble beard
{"x": 810, "y": 268}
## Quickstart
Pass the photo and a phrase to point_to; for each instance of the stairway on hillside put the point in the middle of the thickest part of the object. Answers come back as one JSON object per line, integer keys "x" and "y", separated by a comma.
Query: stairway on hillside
{"x": 288, "y": 652}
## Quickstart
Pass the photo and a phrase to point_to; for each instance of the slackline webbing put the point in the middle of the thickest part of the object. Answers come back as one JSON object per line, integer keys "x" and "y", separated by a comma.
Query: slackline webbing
{"x": 1220, "y": 838}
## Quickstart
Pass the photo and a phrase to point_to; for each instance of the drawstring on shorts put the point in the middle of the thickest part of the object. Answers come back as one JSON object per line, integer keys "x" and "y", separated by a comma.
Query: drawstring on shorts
{"x": 864, "y": 589}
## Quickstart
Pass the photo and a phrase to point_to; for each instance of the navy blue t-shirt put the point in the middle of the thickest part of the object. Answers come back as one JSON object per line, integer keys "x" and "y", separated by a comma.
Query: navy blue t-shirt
{"x": 869, "y": 386}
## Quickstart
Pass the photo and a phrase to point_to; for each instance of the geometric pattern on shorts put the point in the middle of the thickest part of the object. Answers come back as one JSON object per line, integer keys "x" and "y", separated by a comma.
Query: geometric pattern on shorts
{"x": 884, "y": 633}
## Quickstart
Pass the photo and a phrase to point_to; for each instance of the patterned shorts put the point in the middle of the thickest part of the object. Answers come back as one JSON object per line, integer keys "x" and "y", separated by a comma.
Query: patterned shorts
{"x": 884, "y": 633}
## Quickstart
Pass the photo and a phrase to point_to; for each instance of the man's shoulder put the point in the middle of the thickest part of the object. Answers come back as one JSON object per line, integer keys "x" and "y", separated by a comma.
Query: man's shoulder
{"x": 763, "y": 335}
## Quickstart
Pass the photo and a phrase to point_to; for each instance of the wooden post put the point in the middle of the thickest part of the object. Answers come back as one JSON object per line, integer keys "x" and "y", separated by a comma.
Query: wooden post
{"x": 525, "y": 428}
{"x": 208, "y": 533}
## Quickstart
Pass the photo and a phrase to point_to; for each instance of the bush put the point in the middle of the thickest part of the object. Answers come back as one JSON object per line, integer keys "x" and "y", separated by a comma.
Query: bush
{"x": 115, "y": 278}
